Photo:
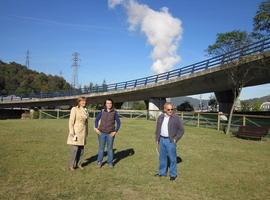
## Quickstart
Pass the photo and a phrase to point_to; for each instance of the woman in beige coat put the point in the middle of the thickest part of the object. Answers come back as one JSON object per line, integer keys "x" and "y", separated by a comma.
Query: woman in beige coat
{"x": 78, "y": 131}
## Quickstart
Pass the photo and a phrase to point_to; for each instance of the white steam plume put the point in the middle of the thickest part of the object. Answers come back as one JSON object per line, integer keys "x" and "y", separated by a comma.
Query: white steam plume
{"x": 161, "y": 29}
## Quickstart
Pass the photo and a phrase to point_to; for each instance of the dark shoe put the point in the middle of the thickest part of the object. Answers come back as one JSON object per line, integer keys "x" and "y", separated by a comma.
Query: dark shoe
{"x": 158, "y": 175}
{"x": 172, "y": 178}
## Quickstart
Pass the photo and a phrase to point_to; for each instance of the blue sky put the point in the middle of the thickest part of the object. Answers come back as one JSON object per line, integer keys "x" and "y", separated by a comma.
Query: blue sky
{"x": 53, "y": 29}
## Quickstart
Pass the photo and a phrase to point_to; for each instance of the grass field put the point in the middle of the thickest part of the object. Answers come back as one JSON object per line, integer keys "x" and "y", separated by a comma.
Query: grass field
{"x": 34, "y": 156}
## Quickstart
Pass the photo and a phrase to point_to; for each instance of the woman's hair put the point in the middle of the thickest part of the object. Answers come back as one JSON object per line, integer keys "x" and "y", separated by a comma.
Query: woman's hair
{"x": 104, "y": 104}
{"x": 79, "y": 100}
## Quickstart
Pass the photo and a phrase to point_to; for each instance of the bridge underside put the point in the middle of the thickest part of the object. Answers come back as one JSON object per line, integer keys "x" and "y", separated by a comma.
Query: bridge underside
{"x": 215, "y": 79}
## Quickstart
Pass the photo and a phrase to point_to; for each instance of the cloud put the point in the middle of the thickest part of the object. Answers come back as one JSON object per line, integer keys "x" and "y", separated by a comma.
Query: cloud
{"x": 113, "y": 3}
{"x": 162, "y": 30}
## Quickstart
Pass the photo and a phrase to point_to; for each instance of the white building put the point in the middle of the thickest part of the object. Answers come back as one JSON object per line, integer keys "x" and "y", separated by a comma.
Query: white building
{"x": 265, "y": 106}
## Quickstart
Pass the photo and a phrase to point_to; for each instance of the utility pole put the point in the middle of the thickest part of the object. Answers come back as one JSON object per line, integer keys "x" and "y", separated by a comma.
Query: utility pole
{"x": 75, "y": 65}
{"x": 27, "y": 59}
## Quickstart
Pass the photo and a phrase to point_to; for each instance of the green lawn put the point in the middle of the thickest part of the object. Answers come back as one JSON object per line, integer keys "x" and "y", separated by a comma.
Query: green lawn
{"x": 34, "y": 156}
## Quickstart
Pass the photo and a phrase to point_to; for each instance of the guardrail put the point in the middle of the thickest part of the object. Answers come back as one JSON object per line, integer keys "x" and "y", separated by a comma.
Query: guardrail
{"x": 254, "y": 48}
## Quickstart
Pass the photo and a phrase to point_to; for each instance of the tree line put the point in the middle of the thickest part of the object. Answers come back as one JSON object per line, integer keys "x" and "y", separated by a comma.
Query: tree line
{"x": 16, "y": 79}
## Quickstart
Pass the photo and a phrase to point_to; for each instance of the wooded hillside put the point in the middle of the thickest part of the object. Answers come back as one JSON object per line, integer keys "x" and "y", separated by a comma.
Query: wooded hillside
{"x": 16, "y": 79}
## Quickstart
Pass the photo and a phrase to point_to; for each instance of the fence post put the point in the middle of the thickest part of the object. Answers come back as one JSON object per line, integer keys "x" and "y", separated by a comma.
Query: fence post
{"x": 198, "y": 119}
{"x": 57, "y": 116}
{"x": 244, "y": 120}
{"x": 182, "y": 115}
{"x": 39, "y": 111}
{"x": 218, "y": 122}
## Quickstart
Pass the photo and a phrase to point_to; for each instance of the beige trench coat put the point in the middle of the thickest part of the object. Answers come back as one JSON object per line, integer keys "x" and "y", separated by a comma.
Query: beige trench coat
{"x": 78, "y": 125}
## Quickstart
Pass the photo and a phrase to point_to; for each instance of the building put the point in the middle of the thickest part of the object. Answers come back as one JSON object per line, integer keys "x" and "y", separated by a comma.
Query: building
{"x": 265, "y": 106}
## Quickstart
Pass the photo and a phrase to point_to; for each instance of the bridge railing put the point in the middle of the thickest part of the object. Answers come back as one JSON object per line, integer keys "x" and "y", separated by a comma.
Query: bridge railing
{"x": 251, "y": 49}
{"x": 256, "y": 47}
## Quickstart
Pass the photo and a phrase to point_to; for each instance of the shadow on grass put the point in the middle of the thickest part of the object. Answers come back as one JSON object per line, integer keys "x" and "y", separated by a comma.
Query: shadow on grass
{"x": 179, "y": 159}
{"x": 123, "y": 154}
{"x": 118, "y": 156}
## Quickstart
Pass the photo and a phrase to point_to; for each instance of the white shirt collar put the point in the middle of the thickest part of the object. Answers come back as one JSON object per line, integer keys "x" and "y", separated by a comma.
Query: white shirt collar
{"x": 165, "y": 115}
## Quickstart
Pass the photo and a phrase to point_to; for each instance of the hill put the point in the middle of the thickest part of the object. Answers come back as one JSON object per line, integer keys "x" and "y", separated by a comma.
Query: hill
{"x": 260, "y": 100}
{"x": 196, "y": 102}
{"x": 18, "y": 79}
{"x": 193, "y": 101}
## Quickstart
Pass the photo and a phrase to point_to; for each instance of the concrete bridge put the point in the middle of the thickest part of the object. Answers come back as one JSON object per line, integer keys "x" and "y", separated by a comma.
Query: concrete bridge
{"x": 211, "y": 75}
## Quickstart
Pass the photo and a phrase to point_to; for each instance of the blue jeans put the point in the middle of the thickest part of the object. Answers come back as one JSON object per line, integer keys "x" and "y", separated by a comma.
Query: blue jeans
{"x": 104, "y": 138}
{"x": 167, "y": 149}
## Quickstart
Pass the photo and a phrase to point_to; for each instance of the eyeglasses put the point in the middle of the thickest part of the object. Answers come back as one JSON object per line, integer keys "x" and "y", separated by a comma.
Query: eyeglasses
{"x": 169, "y": 109}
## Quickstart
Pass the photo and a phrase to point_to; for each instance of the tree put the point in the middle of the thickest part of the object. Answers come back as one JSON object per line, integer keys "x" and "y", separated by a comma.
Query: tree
{"x": 17, "y": 79}
{"x": 104, "y": 86}
{"x": 261, "y": 21}
{"x": 96, "y": 88}
{"x": 139, "y": 105}
{"x": 91, "y": 85}
{"x": 212, "y": 103}
{"x": 2, "y": 85}
{"x": 239, "y": 77}
{"x": 85, "y": 89}
{"x": 229, "y": 41}
{"x": 186, "y": 106}
{"x": 246, "y": 106}
{"x": 256, "y": 106}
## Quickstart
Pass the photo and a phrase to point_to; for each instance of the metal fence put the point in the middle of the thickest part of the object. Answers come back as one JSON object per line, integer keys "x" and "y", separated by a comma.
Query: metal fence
{"x": 237, "y": 54}
{"x": 199, "y": 119}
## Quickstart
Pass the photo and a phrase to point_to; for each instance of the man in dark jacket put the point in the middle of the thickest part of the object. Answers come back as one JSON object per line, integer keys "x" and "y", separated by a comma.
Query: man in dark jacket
{"x": 169, "y": 130}
{"x": 106, "y": 130}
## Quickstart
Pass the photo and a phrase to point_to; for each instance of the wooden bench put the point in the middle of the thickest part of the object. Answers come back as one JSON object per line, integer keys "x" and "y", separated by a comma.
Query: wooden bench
{"x": 252, "y": 132}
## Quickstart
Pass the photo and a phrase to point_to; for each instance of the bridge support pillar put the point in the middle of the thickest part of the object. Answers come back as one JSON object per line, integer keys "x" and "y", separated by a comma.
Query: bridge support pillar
{"x": 32, "y": 111}
{"x": 225, "y": 100}
{"x": 118, "y": 105}
{"x": 154, "y": 105}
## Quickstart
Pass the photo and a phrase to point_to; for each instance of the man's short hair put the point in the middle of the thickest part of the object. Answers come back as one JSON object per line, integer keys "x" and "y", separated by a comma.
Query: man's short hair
{"x": 168, "y": 103}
